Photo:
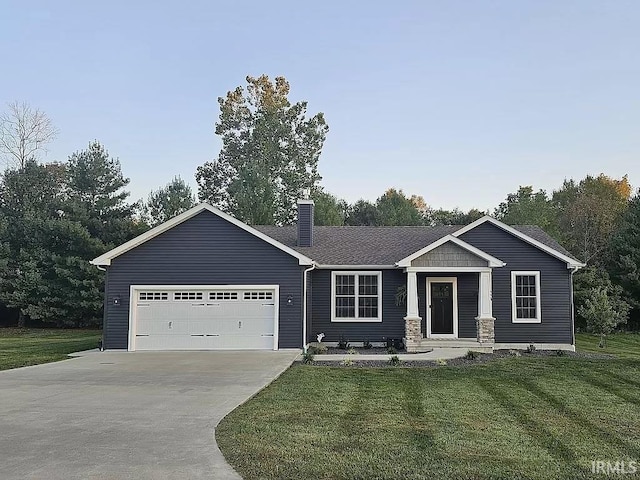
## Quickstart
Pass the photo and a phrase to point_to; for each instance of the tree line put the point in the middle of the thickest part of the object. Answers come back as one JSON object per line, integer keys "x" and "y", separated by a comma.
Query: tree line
{"x": 55, "y": 217}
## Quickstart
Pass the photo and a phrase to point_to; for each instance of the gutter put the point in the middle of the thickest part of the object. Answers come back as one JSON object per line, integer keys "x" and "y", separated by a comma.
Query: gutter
{"x": 354, "y": 267}
{"x": 304, "y": 307}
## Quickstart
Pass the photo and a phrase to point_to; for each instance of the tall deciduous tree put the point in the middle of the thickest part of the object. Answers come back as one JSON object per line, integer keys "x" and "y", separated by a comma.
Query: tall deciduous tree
{"x": 396, "y": 209}
{"x": 452, "y": 217}
{"x": 590, "y": 212}
{"x": 270, "y": 152}
{"x": 96, "y": 187}
{"x": 328, "y": 209}
{"x": 167, "y": 202}
{"x": 25, "y": 133}
{"x": 527, "y": 207}
{"x": 362, "y": 212}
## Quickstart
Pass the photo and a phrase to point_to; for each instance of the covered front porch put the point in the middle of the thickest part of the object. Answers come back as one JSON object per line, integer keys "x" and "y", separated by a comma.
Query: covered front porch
{"x": 449, "y": 297}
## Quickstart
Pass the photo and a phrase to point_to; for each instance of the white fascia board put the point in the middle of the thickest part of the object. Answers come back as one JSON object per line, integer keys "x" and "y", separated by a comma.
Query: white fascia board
{"x": 354, "y": 267}
{"x": 491, "y": 260}
{"x": 571, "y": 263}
{"x": 105, "y": 258}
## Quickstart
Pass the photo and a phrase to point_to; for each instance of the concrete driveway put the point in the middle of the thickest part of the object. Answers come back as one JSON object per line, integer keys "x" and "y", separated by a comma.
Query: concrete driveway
{"x": 120, "y": 415}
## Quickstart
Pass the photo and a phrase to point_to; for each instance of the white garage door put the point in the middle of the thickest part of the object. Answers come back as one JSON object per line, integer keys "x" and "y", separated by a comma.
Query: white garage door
{"x": 207, "y": 318}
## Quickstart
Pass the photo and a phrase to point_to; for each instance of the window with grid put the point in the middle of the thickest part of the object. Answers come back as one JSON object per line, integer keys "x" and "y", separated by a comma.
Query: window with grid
{"x": 187, "y": 296}
{"x": 151, "y": 296}
{"x": 258, "y": 296}
{"x": 223, "y": 295}
{"x": 357, "y": 296}
{"x": 525, "y": 296}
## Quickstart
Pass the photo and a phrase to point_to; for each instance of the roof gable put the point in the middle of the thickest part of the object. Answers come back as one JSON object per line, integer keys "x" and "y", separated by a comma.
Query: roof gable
{"x": 105, "y": 258}
{"x": 570, "y": 261}
{"x": 450, "y": 239}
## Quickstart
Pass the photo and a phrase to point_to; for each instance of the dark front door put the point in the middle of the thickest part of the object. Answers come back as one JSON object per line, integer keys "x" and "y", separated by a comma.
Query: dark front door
{"x": 442, "y": 308}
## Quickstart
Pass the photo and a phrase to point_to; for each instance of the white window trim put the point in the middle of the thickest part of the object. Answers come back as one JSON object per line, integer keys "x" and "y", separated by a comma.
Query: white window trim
{"x": 514, "y": 318}
{"x": 357, "y": 273}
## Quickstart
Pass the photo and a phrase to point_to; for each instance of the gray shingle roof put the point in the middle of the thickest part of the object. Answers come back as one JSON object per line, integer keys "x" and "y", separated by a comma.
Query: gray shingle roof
{"x": 364, "y": 245}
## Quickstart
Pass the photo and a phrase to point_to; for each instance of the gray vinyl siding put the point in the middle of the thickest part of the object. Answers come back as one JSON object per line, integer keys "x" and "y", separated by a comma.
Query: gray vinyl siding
{"x": 204, "y": 250}
{"x": 392, "y": 325}
{"x": 555, "y": 287}
{"x": 467, "y": 301}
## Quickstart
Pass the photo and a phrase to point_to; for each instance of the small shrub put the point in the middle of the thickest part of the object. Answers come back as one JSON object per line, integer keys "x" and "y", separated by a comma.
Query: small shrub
{"x": 318, "y": 349}
{"x": 343, "y": 344}
{"x": 515, "y": 353}
{"x": 347, "y": 362}
{"x": 441, "y": 362}
{"x": 367, "y": 345}
{"x": 471, "y": 355}
{"x": 531, "y": 348}
{"x": 307, "y": 357}
{"x": 352, "y": 351}
{"x": 394, "y": 360}
{"x": 391, "y": 350}
{"x": 561, "y": 353}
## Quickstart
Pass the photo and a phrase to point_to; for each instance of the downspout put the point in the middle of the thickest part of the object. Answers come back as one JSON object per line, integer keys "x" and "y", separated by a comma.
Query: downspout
{"x": 304, "y": 307}
{"x": 573, "y": 309}
{"x": 101, "y": 343}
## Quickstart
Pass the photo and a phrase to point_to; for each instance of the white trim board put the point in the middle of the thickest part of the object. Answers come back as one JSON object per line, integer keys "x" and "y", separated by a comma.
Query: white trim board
{"x": 491, "y": 260}
{"x": 133, "y": 289}
{"x": 571, "y": 263}
{"x": 454, "y": 282}
{"x": 447, "y": 269}
{"x": 105, "y": 258}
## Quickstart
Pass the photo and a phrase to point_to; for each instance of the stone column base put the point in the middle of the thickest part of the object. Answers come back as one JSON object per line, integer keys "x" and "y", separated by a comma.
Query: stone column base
{"x": 412, "y": 333}
{"x": 486, "y": 329}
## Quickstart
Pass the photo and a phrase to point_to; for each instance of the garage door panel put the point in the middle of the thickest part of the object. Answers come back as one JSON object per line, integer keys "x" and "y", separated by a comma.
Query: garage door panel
{"x": 204, "y": 320}
{"x": 188, "y": 319}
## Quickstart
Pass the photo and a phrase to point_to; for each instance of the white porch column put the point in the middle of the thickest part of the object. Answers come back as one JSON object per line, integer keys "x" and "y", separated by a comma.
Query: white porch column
{"x": 412, "y": 295}
{"x": 485, "y": 320}
{"x": 412, "y": 322}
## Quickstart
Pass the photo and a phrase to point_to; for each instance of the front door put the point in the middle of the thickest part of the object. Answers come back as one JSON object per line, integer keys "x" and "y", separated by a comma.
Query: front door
{"x": 442, "y": 312}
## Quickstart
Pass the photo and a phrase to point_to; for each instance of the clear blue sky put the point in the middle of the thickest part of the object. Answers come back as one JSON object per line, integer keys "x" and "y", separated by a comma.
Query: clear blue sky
{"x": 458, "y": 101}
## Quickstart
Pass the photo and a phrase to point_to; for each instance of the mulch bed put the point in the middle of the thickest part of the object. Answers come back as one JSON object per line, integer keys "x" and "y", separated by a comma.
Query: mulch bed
{"x": 454, "y": 362}
{"x": 362, "y": 351}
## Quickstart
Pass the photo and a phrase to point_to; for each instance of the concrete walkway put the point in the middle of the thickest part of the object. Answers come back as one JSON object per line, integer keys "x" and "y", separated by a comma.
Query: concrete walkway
{"x": 119, "y": 415}
{"x": 437, "y": 353}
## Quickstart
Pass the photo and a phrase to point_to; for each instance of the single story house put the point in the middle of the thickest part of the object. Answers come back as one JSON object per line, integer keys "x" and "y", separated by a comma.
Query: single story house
{"x": 205, "y": 280}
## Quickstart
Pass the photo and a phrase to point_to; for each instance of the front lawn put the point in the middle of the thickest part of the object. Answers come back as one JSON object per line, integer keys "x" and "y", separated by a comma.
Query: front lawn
{"x": 20, "y": 347}
{"x": 623, "y": 345}
{"x": 525, "y": 417}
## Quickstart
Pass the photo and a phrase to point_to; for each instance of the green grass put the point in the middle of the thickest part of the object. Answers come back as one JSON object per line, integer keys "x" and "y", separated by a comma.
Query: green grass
{"x": 30, "y": 346}
{"x": 526, "y": 417}
{"x": 623, "y": 345}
